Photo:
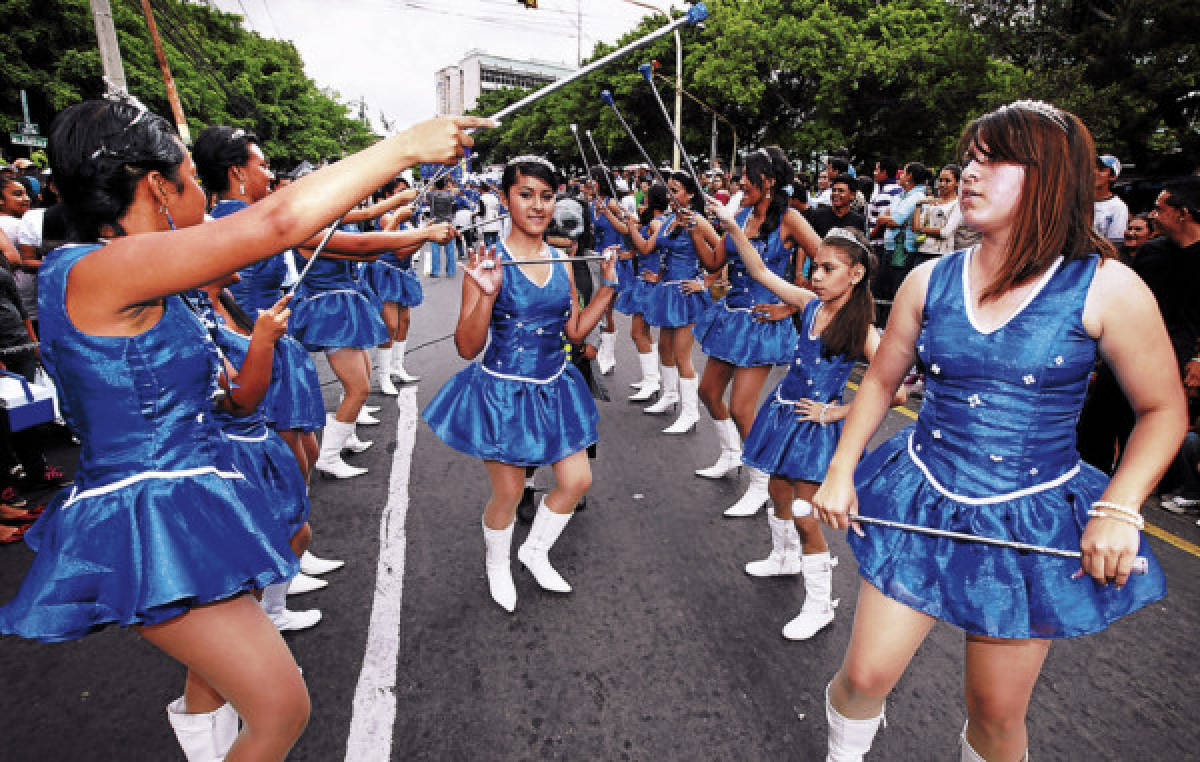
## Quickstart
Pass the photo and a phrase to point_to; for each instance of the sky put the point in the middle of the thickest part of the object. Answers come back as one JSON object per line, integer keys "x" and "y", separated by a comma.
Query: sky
{"x": 387, "y": 51}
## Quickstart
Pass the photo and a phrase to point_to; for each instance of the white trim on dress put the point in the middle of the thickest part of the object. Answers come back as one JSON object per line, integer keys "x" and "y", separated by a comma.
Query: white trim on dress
{"x": 143, "y": 476}
{"x": 1003, "y": 498}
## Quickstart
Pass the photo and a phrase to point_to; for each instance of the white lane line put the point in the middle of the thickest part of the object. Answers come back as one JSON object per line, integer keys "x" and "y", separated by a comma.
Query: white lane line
{"x": 374, "y": 714}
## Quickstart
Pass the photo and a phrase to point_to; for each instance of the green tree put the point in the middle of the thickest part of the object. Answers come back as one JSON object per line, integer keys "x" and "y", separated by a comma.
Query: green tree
{"x": 224, "y": 74}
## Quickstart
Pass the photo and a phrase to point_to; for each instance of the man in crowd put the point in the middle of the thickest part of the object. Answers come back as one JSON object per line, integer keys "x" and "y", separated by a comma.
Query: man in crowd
{"x": 899, "y": 250}
{"x": 1112, "y": 216}
{"x": 837, "y": 213}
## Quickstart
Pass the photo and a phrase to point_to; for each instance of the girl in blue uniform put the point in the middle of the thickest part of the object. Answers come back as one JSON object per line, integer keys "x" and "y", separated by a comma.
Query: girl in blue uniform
{"x": 153, "y": 535}
{"x": 1009, "y": 331}
{"x": 606, "y": 214}
{"x": 646, "y": 266}
{"x": 751, "y": 329}
{"x": 678, "y": 298}
{"x": 525, "y": 404}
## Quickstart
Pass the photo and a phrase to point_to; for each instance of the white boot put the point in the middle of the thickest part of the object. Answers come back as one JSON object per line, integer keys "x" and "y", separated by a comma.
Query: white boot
{"x": 968, "y": 752}
{"x": 755, "y": 497}
{"x": 203, "y": 737}
{"x": 274, "y": 604}
{"x": 689, "y": 407}
{"x": 315, "y": 566}
{"x": 649, "y": 384}
{"x": 365, "y": 418}
{"x": 547, "y": 526}
{"x": 302, "y": 583}
{"x": 730, "y": 459}
{"x": 670, "y": 392}
{"x": 849, "y": 739}
{"x": 817, "y": 611}
{"x": 606, "y": 353}
{"x": 354, "y": 444}
{"x": 499, "y": 569}
{"x": 784, "y": 558}
{"x": 398, "y": 370}
{"x": 330, "y": 462}
{"x": 384, "y": 366}
{"x": 226, "y": 727}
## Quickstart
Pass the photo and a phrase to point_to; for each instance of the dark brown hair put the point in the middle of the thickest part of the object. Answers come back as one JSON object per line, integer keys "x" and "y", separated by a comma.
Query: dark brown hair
{"x": 846, "y": 333}
{"x": 1055, "y": 211}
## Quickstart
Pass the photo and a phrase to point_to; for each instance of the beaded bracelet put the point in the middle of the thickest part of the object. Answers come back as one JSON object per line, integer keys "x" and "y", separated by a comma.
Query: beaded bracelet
{"x": 824, "y": 410}
{"x": 1116, "y": 507}
{"x": 1136, "y": 521}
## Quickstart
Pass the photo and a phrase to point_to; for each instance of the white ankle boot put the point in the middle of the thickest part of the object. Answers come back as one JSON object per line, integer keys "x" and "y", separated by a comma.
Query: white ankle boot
{"x": 651, "y": 378}
{"x": 384, "y": 366}
{"x": 302, "y": 583}
{"x": 849, "y": 740}
{"x": 353, "y": 443}
{"x": 755, "y": 497}
{"x": 670, "y": 392}
{"x": 606, "y": 353}
{"x": 398, "y": 370}
{"x": 330, "y": 462}
{"x": 498, "y": 543}
{"x": 784, "y": 558}
{"x": 315, "y": 566}
{"x": 547, "y": 526}
{"x": 817, "y": 611}
{"x": 689, "y": 407}
{"x": 203, "y": 737}
{"x": 730, "y": 459}
{"x": 274, "y": 605}
{"x": 365, "y": 418}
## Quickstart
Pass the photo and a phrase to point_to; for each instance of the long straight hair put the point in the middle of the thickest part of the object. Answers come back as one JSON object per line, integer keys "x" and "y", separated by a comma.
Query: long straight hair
{"x": 770, "y": 162}
{"x": 1054, "y": 214}
{"x": 846, "y": 333}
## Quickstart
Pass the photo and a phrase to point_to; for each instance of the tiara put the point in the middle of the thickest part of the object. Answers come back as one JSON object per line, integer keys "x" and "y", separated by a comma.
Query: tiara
{"x": 1053, "y": 113}
{"x": 842, "y": 234}
{"x": 531, "y": 159}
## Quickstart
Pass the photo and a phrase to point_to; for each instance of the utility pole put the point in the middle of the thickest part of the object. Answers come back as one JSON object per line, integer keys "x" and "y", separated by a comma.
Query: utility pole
{"x": 106, "y": 39}
{"x": 172, "y": 95}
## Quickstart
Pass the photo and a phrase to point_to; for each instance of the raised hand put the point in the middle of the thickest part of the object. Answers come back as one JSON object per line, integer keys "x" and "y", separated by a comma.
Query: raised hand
{"x": 272, "y": 323}
{"x": 441, "y": 232}
{"x": 483, "y": 266}
{"x": 442, "y": 140}
{"x": 608, "y": 265}
{"x": 718, "y": 210}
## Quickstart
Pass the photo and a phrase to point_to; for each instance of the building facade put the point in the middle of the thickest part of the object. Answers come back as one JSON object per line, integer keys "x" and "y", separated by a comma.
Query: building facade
{"x": 459, "y": 87}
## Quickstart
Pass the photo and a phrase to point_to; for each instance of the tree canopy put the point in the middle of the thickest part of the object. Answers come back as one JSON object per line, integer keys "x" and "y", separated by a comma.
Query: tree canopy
{"x": 223, "y": 73}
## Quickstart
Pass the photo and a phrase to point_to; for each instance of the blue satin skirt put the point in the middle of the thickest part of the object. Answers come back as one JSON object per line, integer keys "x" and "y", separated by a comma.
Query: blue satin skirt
{"x": 393, "y": 284}
{"x": 733, "y": 335}
{"x": 294, "y": 398}
{"x": 781, "y": 444}
{"x": 632, "y": 301}
{"x": 520, "y": 423}
{"x": 274, "y": 482}
{"x": 341, "y": 319}
{"x": 142, "y": 554}
{"x": 667, "y": 306}
{"x": 985, "y": 590}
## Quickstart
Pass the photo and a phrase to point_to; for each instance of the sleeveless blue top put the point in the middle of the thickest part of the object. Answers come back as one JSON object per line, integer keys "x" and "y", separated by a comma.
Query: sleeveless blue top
{"x": 261, "y": 282}
{"x": 527, "y": 336}
{"x": 745, "y": 291}
{"x": 993, "y": 454}
{"x": 680, "y": 261}
{"x": 811, "y": 376}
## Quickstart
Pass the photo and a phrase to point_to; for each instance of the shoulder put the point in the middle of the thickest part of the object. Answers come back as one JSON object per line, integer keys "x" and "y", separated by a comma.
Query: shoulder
{"x": 1116, "y": 292}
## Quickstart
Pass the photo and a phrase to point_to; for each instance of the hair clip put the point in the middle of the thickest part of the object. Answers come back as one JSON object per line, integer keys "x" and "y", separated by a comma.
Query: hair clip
{"x": 842, "y": 234}
{"x": 237, "y": 134}
{"x": 531, "y": 159}
{"x": 1053, "y": 113}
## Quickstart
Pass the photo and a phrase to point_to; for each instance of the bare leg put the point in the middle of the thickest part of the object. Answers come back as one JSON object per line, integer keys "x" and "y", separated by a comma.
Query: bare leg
{"x": 609, "y": 324}
{"x": 782, "y": 492}
{"x": 812, "y": 540}
{"x": 743, "y": 399}
{"x": 1000, "y": 675}
{"x": 640, "y": 333}
{"x": 391, "y": 318}
{"x": 353, "y": 368}
{"x": 232, "y": 651}
{"x": 508, "y": 482}
{"x": 403, "y": 319}
{"x": 713, "y": 383}
{"x": 301, "y": 540}
{"x": 666, "y": 347}
{"x": 573, "y": 477}
{"x": 682, "y": 339}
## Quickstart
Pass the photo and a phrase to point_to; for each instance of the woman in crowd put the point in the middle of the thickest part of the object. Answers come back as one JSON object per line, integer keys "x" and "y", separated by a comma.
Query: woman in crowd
{"x": 606, "y": 213}
{"x": 993, "y": 451}
{"x": 525, "y": 404}
{"x": 392, "y": 279}
{"x": 679, "y": 298}
{"x": 1139, "y": 230}
{"x": 935, "y": 220}
{"x": 153, "y": 535}
{"x": 751, "y": 329}
{"x": 647, "y": 266}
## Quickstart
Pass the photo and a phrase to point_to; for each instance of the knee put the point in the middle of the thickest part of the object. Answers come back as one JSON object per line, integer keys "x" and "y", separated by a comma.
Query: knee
{"x": 507, "y": 496}
{"x": 282, "y": 714}
{"x": 993, "y": 715}
{"x": 863, "y": 682}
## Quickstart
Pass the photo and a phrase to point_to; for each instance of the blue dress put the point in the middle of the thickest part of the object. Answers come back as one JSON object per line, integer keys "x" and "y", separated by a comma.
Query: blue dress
{"x": 728, "y": 331}
{"x": 993, "y": 453}
{"x": 262, "y": 282}
{"x": 632, "y": 301}
{"x": 393, "y": 280}
{"x": 294, "y": 398}
{"x": 666, "y": 305}
{"x": 606, "y": 236}
{"x": 273, "y": 482}
{"x": 331, "y": 310}
{"x": 779, "y": 442}
{"x": 525, "y": 404}
{"x": 155, "y": 522}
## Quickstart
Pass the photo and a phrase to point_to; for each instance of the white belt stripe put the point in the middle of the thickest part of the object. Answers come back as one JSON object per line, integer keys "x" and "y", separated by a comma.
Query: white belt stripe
{"x": 1041, "y": 487}
{"x": 128, "y": 480}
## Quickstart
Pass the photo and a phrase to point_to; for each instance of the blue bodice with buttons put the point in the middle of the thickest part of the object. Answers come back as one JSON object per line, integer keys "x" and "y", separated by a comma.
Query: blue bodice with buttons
{"x": 652, "y": 261}
{"x": 745, "y": 291}
{"x": 527, "y": 329}
{"x": 606, "y": 234}
{"x": 679, "y": 258}
{"x": 1001, "y": 407}
{"x": 141, "y": 403}
{"x": 810, "y": 375}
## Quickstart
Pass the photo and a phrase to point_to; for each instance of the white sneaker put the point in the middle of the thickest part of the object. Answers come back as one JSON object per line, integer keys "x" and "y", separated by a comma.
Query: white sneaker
{"x": 315, "y": 566}
{"x": 302, "y": 583}
{"x": 289, "y": 621}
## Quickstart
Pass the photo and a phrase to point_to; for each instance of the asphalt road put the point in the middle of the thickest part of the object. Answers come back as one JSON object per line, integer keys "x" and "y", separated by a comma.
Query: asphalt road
{"x": 665, "y": 650}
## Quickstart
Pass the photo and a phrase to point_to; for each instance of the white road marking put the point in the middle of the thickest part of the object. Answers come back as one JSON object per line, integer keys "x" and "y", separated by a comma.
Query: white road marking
{"x": 374, "y": 715}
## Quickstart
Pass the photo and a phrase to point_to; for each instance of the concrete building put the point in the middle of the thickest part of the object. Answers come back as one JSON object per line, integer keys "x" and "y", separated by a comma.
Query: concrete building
{"x": 459, "y": 87}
